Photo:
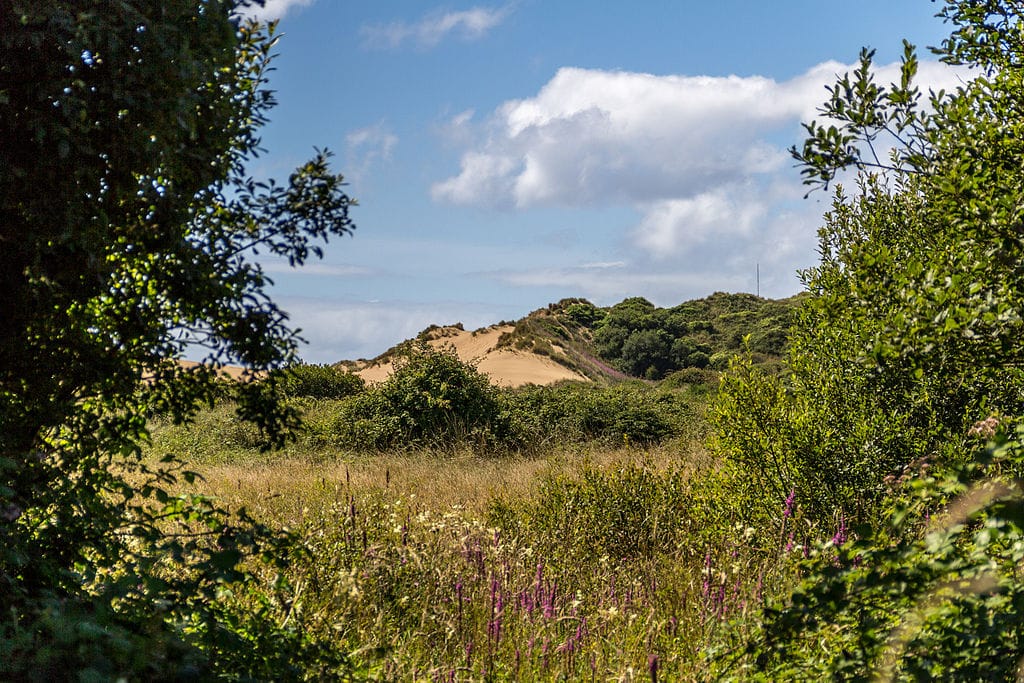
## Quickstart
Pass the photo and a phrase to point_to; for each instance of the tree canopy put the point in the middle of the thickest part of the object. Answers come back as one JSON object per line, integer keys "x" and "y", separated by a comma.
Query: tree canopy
{"x": 905, "y": 359}
{"x": 128, "y": 227}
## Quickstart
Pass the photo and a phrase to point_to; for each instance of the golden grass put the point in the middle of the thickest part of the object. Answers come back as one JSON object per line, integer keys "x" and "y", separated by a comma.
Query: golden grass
{"x": 286, "y": 490}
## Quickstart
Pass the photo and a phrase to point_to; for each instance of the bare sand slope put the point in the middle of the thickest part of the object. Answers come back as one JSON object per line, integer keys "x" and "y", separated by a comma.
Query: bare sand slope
{"x": 232, "y": 371}
{"x": 505, "y": 367}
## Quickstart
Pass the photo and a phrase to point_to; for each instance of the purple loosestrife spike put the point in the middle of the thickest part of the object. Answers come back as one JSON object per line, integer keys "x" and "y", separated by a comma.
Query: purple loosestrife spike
{"x": 790, "y": 501}
{"x": 652, "y": 667}
{"x": 458, "y": 595}
{"x": 840, "y": 537}
{"x": 549, "y": 607}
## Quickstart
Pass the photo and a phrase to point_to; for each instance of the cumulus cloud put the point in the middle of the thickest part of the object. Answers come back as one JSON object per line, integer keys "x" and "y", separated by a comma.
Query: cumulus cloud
{"x": 699, "y": 157}
{"x": 274, "y": 9}
{"x": 470, "y": 24}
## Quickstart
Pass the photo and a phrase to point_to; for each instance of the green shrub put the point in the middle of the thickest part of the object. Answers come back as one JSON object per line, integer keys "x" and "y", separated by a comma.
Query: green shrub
{"x": 319, "y": 381}
{"x": 690, "y": 376}
{"x": 629, "y": 413}
{"x": 431, "y": 399}
{"x": 584, "y": 313}
{"x": 933, "y": 593}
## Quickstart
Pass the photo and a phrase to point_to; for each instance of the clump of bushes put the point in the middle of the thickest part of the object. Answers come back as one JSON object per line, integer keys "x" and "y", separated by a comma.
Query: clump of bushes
{"x": 435, "y": 400}
{"x": 318, "y": 381}
{"x": 623, "y": 414}
{"x": 431, "y": 399}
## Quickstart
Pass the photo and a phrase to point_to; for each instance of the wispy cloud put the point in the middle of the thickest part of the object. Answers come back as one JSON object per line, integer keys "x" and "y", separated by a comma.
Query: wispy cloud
{"x": 274, "y": 9}
{"x": 367, "y": 147}
{"x": 607, "y": 286}
{"x": 349, "y": 330}
{"x": 318, "y": 269}
{"x": 470, "y": 24}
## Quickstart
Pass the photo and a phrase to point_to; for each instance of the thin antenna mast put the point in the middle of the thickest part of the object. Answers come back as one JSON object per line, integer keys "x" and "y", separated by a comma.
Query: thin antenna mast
{"x": 758, "y": 279}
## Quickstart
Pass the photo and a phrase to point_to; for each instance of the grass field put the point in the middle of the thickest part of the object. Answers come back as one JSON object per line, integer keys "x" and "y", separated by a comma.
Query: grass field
{"x": 582, "y": 563}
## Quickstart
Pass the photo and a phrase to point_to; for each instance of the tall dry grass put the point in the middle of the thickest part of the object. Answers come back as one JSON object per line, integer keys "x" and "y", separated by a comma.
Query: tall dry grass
{"x": 583, "y": 564}
{"x": 285, "y": 490}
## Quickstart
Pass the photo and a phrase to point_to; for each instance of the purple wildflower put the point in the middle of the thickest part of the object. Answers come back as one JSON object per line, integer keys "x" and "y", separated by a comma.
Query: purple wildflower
{"x": 790, "y": 504}
{"x": 652, "y": 667}
{"x": 840, "y": 536}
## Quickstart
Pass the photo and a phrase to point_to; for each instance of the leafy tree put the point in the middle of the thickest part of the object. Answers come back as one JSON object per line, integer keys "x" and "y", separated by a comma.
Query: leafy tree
{"x": 645, "y": 353}
{"x": 127, "y": 227}
{"x": 913, "y": 331}
{"x": 911, "y": 336}
{"x": 687, "y": 353}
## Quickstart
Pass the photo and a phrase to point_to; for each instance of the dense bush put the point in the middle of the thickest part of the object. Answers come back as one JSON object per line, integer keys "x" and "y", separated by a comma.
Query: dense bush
{"x": 908, "y": 348}
{"x": 629, "y": 413}
{"x": 318, "y": 381}
{"x": 691, "y": 377}
{"x": 650, "y": 342}
{"x": 431, "y": 399}
{"x": 434, "y": 400}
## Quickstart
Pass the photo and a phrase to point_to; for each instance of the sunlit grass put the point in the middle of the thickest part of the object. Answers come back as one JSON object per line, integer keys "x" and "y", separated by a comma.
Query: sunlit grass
{"x": 455, "y": 566}
{"x": 285, "y": 489}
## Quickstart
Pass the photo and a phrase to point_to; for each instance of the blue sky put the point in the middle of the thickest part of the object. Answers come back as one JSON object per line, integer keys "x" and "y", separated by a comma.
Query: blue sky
{"x": 507, "y": 155}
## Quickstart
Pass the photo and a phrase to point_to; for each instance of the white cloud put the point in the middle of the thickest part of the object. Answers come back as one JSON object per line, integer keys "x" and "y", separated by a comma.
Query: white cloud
{"x": 339, "y": 330}
{"x": 274, "y": 9}
{"x": 317, "y": 269}
{"x": 367, "y": 147}
{"x": 701, "y": 158}
{"x": 609, "y": 286}
{"x": 470, "y": 24}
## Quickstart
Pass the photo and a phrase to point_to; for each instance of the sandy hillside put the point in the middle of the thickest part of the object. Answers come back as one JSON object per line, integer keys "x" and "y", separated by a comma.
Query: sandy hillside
{"x": 232, "y": 371}
{"x": 505, "y": 367}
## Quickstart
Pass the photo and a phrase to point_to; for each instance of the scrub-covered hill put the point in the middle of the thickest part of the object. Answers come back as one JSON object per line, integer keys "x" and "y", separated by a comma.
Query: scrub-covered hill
{"x": 576, "y": 340}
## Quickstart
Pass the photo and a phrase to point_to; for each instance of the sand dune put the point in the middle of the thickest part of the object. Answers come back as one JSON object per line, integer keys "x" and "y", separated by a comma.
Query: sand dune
{"x": 505, "y": 367}
{"x": 230, "y": 371}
